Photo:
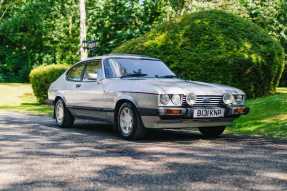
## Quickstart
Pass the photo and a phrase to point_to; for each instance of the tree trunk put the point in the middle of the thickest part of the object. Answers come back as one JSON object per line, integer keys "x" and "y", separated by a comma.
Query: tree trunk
{"x": 83, "y": 30}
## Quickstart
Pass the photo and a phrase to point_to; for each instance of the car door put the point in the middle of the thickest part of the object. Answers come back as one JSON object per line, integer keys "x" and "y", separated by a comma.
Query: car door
{"x": 91, "y": 92}
{"x": 73, "y": 83}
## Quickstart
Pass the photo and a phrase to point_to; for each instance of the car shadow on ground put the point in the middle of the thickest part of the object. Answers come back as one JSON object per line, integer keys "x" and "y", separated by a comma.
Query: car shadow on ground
{"x": 35, "y": 155}
{"x": 152, "y": 135}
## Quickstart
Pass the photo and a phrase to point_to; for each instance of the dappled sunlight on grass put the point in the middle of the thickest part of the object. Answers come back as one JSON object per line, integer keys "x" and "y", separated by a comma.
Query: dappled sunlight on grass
{"x": 11, "y": 93}
{"x": 282, "y": 117}
{"x": 19, "y": 97}
{"x": 268, "y": 116}
{"x": 282, "y": 90}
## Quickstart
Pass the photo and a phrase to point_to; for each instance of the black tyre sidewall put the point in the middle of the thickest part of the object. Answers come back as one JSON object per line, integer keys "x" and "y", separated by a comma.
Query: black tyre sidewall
{"x": 68, "y": 120}
{"x": 137, "y": 131}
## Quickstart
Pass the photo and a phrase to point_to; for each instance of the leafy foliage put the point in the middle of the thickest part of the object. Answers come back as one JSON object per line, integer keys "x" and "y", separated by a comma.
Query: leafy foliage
{"x": 34, "y": 32}
{"x": 42, "y": 76}
{"x": 112, "y": 22}
{"x": 215, "y": 46}
{"x": 270, "y": 15}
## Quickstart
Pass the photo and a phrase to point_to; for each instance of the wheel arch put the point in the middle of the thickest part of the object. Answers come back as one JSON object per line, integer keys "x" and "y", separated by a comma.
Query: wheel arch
{"x": 59, "y": 97}
{"x": 120, "y": 102}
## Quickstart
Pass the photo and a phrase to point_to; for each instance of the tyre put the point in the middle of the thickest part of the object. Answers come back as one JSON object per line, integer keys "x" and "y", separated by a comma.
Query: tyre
{"x": 129, "y": 123}
{"x": 211, "y": 132}
{"x": 64, "y": 118}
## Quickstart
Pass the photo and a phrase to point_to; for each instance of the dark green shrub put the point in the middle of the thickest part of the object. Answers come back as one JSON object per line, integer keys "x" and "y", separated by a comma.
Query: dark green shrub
{"x": 42, "y": 76}
{"x": 215, "y": 46}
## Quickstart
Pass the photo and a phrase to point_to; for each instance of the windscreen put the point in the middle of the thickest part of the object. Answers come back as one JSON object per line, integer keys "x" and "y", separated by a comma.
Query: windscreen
{"x": 132, "y": 67}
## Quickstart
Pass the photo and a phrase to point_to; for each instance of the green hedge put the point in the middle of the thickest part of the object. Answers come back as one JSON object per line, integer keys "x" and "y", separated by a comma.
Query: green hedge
{"x": 42, "y": 76}
{"x": 215, "y": 46}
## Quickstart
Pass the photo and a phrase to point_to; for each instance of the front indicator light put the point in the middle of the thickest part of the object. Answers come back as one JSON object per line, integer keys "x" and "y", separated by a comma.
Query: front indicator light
{"x": 173, "y": 112}
{"x": 241, "y": 110}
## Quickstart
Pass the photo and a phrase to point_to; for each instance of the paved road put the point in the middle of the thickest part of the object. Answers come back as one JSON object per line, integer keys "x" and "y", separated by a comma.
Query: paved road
{"x": 34, "y": 155}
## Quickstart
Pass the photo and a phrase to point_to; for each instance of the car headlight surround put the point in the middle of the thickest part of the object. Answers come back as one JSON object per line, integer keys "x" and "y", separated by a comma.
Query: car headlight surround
{"x": 239, "y": 99}
{"x": 176, "y": 99}
{"x": 228, "y": 99}
{"x": 164, "y": 99}
{"x": 190, "y": 99}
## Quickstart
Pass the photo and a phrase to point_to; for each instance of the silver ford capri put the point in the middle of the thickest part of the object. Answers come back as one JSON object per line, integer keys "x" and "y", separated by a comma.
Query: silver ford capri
{"x": 136, "y": 92}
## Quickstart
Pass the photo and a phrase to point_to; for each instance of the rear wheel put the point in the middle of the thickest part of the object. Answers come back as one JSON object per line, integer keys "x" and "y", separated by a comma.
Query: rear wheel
{"x": 129, "y": 123}
{"x": 211, "y": 132}
{"x": 63, "y": 116}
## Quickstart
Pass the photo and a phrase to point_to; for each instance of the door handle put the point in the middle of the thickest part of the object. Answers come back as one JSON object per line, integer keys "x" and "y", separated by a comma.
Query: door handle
{"x": 78, "y": 85}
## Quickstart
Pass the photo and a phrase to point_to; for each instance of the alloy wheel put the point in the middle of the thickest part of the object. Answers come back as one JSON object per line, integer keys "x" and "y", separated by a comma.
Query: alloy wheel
{"x": 59, "y": 112}
{"x": 126, "y": 121}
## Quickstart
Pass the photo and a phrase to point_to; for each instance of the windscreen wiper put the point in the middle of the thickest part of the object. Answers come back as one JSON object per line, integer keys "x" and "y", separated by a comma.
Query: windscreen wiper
{"x": 134, "y": 75}
{"x": 167, "y": 76}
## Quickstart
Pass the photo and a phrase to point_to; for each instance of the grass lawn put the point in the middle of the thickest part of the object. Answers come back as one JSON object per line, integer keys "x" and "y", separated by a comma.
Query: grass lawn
{"x": 268, "y": 117}
{"x": 19, "y": 97}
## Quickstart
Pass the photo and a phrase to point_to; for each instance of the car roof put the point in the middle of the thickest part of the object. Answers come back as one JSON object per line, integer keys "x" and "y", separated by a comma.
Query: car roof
{"x": 131, "y": 56}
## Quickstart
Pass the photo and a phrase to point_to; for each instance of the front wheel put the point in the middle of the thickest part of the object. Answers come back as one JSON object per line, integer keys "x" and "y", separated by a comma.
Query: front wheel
{"x": 129, "y": 123}
{"x": 211, "y": 132}
{"x": 63, "y": 116}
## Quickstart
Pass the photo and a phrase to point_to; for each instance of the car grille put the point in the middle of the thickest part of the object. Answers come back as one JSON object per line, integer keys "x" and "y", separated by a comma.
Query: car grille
{"x": 205, "y": 100}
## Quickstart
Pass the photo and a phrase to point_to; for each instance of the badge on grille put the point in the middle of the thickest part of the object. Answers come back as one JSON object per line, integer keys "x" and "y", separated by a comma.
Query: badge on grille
{"x": 206, "y": 100}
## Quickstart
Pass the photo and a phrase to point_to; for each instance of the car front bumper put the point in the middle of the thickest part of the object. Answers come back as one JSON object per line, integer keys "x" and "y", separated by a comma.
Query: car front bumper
{"x": 157, "y": 119}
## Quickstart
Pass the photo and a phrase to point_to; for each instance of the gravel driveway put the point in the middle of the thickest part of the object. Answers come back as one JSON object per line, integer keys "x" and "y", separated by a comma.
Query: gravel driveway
{"x": 35, "y": 155}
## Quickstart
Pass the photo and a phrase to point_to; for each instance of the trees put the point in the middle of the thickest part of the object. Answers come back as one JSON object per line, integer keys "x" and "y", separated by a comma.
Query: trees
{"x": 112, "y": 22}
{"x": 21, "y": 35}
{"x": 270, "y": 15}
{"x": 215, "y": 46}
{"x": 34, "y": 32}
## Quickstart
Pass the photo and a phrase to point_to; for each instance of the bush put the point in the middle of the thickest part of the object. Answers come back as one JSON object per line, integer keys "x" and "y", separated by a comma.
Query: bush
{"x": 42, "y": 76}
{"x": 215, "y": 46}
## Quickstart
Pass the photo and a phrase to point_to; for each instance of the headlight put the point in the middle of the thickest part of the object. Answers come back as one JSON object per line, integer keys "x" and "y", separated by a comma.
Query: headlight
{"x": 228, "y": 99}
{"x": 164, "y": 99}
{"x": 190, "y": 99}
{"x": 176, "y": 100}
{"x": 239, "y": 99}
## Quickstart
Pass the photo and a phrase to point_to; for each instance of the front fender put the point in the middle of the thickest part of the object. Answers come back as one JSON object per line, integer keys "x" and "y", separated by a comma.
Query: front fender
{"x": 124, "y": 96}
{"x": 139, "y": 99}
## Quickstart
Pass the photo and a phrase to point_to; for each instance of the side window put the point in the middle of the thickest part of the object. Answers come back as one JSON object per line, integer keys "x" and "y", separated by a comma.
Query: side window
{"x": 92, "y": 70}
{"x": 75, "y": 73}
{"x": 112, "y": 69}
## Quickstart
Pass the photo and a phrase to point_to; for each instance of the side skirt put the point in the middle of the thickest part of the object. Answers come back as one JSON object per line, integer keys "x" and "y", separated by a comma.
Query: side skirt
{"x": 102, "y": 115}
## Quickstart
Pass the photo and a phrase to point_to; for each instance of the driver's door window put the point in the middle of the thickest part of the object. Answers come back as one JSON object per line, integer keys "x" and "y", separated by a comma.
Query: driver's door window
{"x": 92, "y": 71}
